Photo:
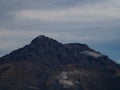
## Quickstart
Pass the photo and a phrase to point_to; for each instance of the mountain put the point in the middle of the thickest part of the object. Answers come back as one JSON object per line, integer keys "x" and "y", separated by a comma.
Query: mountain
{"x": 46, "y": 64}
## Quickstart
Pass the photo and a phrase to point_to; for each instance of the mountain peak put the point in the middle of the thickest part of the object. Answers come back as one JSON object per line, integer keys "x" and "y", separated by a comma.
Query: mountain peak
{"x": 41, "y": 36}
{"x": 42, "y": 39}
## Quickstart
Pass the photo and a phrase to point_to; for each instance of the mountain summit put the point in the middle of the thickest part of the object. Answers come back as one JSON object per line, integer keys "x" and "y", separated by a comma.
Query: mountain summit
{"x": 42, "y": 39}
{"x": 46, "y": 64}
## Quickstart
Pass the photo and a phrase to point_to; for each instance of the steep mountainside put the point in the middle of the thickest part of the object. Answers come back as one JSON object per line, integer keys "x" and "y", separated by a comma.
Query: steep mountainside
{"x": 46, "y": 64}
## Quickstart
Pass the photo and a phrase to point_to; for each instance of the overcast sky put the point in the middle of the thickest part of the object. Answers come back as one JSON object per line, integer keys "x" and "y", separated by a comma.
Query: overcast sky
{"x": 94, "y": 22}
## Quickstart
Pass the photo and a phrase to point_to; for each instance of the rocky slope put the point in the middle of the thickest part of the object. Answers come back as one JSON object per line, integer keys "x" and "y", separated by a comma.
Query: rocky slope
{"x": 46, "y": 64}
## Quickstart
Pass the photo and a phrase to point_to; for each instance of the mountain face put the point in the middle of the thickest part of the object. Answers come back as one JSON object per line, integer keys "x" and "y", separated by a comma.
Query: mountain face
{"x": 46, "y": 64}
